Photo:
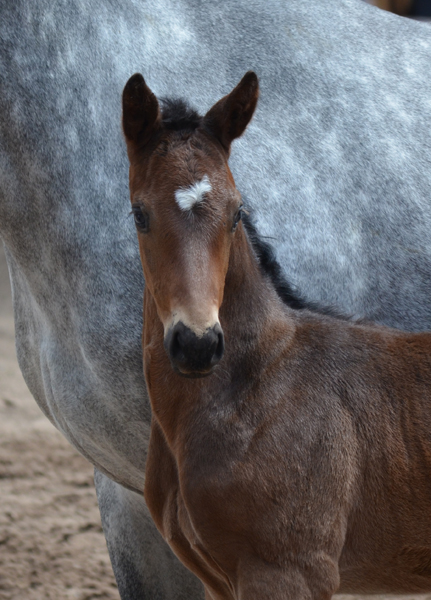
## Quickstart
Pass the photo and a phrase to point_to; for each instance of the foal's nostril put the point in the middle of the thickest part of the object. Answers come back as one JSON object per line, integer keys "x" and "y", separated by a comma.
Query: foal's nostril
{"x": 191, "y": 354}
{"x": 175, "y": 347}
{"x": 219, "y": 351}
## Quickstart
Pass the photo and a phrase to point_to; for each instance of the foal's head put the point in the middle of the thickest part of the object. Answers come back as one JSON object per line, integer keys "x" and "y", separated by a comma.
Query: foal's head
{"x": 186, "y": 210}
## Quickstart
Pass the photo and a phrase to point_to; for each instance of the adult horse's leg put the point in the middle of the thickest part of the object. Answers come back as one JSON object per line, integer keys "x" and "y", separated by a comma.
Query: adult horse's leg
{"x": 144, "y": 565}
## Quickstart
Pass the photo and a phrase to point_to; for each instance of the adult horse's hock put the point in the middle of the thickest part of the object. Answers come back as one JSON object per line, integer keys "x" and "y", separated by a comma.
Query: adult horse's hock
{"x": 298, "y": 463}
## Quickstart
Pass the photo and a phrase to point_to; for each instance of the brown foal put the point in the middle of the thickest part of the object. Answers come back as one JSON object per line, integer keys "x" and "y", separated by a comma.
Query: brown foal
{"x": 290, "y": 452}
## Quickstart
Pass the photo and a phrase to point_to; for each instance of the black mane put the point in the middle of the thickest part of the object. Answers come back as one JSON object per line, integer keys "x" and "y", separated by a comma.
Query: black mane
{"x": 269, "y": 265}
{"x": 177, "y": 115}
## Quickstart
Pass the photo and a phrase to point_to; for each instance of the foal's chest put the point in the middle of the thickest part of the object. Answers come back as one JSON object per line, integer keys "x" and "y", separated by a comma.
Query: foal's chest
{"x": 246, "y": 485}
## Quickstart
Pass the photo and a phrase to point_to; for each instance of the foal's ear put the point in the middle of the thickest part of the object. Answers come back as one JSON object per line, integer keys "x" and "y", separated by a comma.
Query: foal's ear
{"x": 229, "y": 117}
{"x": 141, "y": 113}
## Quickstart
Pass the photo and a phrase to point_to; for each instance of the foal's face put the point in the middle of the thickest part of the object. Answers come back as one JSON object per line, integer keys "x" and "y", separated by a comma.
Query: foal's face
{"x": 186, "y": 210}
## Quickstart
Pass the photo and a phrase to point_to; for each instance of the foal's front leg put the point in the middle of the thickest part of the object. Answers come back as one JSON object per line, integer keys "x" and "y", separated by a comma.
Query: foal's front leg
{"x": 171, "y": 517}
{"x": 143, "y": 564}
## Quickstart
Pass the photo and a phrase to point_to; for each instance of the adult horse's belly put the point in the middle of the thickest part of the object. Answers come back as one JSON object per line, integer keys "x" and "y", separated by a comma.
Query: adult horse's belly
{"x": 87, "y": 379}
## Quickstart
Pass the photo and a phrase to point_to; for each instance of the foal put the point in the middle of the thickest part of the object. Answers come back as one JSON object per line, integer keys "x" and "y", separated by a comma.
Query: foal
{"x": 290, "y": 452}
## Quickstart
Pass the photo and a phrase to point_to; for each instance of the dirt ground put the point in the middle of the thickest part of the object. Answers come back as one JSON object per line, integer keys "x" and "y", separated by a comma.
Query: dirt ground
{"x": 51, "y": 541}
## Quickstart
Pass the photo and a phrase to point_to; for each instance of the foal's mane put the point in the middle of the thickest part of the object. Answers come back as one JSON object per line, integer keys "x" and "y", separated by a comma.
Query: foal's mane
{"x": 178, "y": 115}
{"x": 268, "y": 263}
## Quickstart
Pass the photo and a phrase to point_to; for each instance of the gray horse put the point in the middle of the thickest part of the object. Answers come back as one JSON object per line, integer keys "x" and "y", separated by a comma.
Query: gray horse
{"x": 336, "y": 166}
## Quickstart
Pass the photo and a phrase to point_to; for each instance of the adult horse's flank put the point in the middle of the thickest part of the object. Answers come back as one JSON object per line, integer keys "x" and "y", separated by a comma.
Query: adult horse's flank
{"x": 298, "y": 463}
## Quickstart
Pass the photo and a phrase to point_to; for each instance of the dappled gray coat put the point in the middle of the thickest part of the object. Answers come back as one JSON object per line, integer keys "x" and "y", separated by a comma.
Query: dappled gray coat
{"x": 336, "y": 166}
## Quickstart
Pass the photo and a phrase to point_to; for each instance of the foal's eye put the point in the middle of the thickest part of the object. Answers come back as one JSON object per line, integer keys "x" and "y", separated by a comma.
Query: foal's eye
{"x": 237, "y": 218}
{"x": 141, "y": 219}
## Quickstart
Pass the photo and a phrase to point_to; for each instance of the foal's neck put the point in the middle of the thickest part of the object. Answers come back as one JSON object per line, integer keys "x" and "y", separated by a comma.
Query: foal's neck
{"x": 251, "y": 306}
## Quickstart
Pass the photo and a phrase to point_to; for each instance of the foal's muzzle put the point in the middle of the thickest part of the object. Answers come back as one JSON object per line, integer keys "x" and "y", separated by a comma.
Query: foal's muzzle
{"x": 194, "y": 356}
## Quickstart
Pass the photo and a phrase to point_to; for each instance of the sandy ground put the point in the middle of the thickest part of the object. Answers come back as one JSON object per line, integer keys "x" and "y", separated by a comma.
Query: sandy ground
{"x": 51, "y": 541}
